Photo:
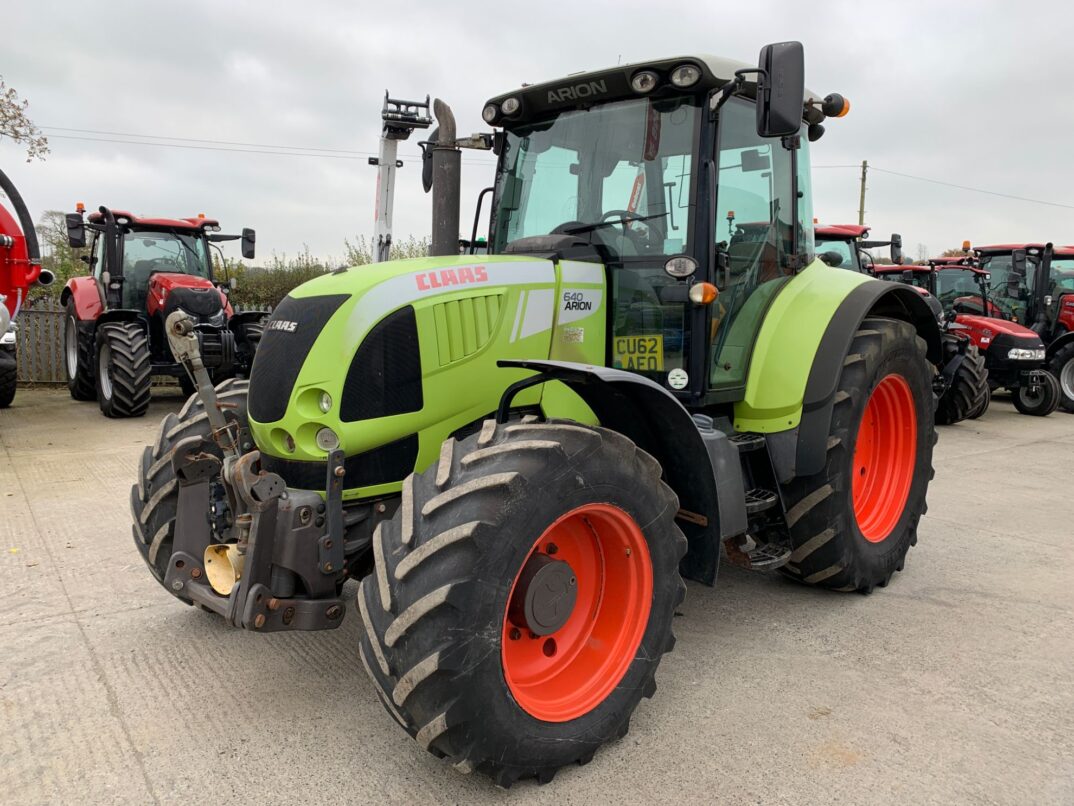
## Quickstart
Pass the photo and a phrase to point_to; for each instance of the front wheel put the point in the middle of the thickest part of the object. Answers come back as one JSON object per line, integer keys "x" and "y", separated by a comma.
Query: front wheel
{"x": 968, "y": 390}
{"x": 9, "y": 375}
{"x": 852, "y": 524}
{"x": 1062, "y": 367}
{"x": 123, "y": 369}
{"x": 78, "y": 346}
{"x": 522, "y": 597}
{"x": 1039, "y": 401}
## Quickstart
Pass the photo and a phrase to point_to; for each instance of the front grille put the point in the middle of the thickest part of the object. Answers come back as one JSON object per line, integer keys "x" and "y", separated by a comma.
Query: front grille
{"x": 391, "y": 462}
{"x": 385, "y": 375}
{"x": 283, "y": 349}
{"x": 196, "y": 301}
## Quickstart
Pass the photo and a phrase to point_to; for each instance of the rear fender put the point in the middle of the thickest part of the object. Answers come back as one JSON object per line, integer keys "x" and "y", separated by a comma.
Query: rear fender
{"x": 712, "y": 504}
{"x": 86, "y": 294}
{"x": 1059, "y": 343}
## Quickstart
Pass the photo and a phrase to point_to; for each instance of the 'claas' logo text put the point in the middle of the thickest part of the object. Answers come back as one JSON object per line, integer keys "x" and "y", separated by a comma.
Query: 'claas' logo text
{"x": 429, "y": 280}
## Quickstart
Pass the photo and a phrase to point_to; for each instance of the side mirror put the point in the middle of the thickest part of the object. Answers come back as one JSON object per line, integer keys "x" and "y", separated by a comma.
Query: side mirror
{"x": 76, "y": 230}
{"x": 249, "y": 240}
{"x": 1018, "y": 262}
{"x": 780, "y": 89}
{"x": 896, "y": 249}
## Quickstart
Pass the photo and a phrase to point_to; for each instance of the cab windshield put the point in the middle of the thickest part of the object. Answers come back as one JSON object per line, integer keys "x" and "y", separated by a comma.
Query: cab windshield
{"x": 618, "y": 175}
{"x": 959, "y": 290}
{"x": 1009, "y": 291}
{"x": 146, "y": 253}
{"x": 1062, "y": 274}
{"x": 847, "y": 251}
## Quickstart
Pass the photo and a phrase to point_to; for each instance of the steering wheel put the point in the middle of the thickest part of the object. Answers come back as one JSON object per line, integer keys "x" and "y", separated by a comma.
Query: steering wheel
{"x": 626, "y": 216}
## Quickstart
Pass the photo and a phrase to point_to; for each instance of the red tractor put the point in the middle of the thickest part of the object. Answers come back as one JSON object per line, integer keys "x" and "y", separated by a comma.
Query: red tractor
{"x": 141, "y": 270}
{"x": 1013, "y": 354}
{"x": 961, "y": 381}
{"x": 20, "y": 268}
{"x": 1034, "y": 284}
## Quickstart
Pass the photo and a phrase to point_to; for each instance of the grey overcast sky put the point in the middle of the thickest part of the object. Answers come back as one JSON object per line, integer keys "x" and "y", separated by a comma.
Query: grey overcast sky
{"x": 970, "y": 93}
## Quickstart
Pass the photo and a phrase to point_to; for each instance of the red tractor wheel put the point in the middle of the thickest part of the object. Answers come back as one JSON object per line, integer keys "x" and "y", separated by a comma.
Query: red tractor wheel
{"x": 522, "y": 597}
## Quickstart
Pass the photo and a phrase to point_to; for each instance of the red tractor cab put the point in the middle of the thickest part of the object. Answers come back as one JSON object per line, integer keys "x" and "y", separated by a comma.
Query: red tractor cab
{"x": 20, "y": 268}
{"x": 1013, "y": 354}
{"x": 141, "y": 270}
{"x": 961, "y": 380}
{"x": 1034, "y": 283}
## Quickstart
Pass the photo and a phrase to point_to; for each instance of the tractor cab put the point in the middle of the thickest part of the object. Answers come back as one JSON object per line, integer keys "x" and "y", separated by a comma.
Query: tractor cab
{"x": 665, "y": 173}
{"x": 1014, "y": 269}
{"x": 844, "y": 246}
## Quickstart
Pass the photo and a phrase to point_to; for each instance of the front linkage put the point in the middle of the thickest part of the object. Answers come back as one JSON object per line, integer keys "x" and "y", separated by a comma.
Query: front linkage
{"x": 270, "y": 539}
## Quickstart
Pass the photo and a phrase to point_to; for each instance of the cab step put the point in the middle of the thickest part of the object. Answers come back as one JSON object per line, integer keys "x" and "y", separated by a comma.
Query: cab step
{"x": 758, "y": 500}
{"x": 746, "y": 442}
{"x": 745, "y": 552}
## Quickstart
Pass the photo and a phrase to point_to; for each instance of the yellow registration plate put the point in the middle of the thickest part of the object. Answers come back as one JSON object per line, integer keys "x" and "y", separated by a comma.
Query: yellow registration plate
{"x": 641, "y": 353}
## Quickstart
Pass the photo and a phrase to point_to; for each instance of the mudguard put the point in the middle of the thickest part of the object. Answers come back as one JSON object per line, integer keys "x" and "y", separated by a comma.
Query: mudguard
{"x": 1059, "y": 343}
{"x": 86, "y": 294}
{"x": 712, "y": 504}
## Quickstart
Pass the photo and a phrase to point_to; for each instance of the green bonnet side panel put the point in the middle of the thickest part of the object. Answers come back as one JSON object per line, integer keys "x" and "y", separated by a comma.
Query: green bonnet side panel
{"x": 786, "y": 345}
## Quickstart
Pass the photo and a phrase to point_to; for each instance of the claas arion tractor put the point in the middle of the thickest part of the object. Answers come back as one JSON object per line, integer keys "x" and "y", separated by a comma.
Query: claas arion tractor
{"x": 1034, "y": 285}
{"x": 961, "y": 380}
{"x": 141, "y": 270}
{"x": 20, "y": 269}
{"x": 520, "y": 456}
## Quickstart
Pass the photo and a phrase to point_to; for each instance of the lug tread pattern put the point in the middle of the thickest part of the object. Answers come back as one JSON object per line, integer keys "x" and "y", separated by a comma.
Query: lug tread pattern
{"x": 130, "y": 369}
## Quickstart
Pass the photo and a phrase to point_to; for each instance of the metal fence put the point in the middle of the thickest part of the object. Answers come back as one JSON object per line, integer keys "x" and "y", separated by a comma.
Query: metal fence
{"x": 39, "y": 340}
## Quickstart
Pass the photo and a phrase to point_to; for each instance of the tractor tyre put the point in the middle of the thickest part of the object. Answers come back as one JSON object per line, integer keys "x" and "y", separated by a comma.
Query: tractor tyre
{"x": 522, "y": 597}
{"x": 1062, "y": 367}
{"x": 978, "y": 412}
{"x": 78, "y": 345}
{"x": 9, "y": 376}
{"x": 1040, "y": 403}
{"x": 124, "y": 369}
{"x": 155, "y": 498}
{"x": 967, "y": 391}
{"x": 852, "y": 523}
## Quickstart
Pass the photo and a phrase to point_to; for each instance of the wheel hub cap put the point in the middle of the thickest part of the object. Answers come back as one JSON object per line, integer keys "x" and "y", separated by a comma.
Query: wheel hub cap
{"x": 544, "y": 596}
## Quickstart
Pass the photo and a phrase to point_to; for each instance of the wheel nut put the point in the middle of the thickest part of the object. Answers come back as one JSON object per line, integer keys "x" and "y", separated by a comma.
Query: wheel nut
{"x": 273, "y": 604}
{"x": 515, "y": 633}
{"x": 328, "y": 568}
{"x": 259, "y": 622}
{"x": 195, "y": 573}
{"x": 177, "y": 585}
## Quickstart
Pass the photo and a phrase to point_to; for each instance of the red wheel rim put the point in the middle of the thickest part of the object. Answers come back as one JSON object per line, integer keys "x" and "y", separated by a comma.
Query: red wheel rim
{"x": 884, "y": 458}
{"x": 566, "y": 674}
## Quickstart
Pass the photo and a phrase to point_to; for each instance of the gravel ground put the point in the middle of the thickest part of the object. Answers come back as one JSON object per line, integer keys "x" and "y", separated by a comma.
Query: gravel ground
{"x": 953, "y": 685}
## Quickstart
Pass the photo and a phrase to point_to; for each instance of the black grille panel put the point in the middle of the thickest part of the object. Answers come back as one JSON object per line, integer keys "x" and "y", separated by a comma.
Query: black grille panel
{"x": 283, "y": 349}
{"x": 391, "y": 462}
{"x": 385, "y": 374}
{"x": 196, "y": 301}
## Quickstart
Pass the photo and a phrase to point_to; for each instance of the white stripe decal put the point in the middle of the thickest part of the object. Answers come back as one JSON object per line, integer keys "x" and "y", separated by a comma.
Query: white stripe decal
{"x": 539, "y": 308}
{"x": 575, "y": 272}
{"x": 518, "y": 316}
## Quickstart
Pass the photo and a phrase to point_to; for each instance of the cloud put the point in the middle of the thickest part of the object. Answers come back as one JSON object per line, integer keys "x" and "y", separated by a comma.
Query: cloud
{"x": 970, "y": 94}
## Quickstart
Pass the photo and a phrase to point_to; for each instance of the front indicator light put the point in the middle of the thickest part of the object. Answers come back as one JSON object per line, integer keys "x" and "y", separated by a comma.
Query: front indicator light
{"x": 327, "y": 439}
{"x": 703, "y": 293}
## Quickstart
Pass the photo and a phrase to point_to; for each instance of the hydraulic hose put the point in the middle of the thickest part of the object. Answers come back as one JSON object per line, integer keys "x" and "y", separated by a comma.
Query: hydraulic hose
{"x": 33, "y": 251}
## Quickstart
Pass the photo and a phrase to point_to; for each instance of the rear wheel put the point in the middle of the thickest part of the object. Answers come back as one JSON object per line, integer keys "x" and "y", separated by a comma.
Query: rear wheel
{"x": 983, "y": 407}
{"x": 123, "y": 369}
{"x": 78, "y": 355}
{"x": 9, "y": 375}
{"x": 852, "y": 524}
{"x": 968, "y": 389}
{"x": 1038, "y": 402}
{"x": 1062, "y": 367}
{"x": 522, "y": 597}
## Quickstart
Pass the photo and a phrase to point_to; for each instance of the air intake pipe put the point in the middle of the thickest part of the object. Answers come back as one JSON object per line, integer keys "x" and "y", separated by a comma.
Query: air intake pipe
{"x": 446, "y": 183}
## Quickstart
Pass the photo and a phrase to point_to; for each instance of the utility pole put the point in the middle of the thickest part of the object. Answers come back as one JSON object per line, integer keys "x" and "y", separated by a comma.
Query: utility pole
{"x": 861, "y": 201}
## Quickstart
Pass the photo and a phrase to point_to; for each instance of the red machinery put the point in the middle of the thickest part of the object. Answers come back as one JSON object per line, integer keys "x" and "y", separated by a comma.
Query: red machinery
{"x": 20, "y": 268}
{"x": 141, "y": 270}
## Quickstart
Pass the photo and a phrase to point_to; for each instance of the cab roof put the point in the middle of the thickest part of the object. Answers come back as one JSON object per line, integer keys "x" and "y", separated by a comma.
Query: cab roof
{"x": 129, "y": 219}
{"x": 841, "y": 231}
{"x": 1008, "y": 247}
{"x": 585, "y": 88}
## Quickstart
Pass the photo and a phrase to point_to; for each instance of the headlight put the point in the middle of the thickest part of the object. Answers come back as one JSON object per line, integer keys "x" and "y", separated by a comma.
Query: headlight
{"x": 327, "y": 439}
{"x": 1020, "y": 354}
{"x": 643, "y": 82}
{"x": 685, "y": 75}
{"x": 325, "y": 402}
{"x": 488, "y": 114}
{"x": 510, "y": 106}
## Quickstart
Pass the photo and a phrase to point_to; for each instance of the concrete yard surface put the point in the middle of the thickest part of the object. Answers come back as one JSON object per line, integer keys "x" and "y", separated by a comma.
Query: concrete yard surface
{"x": 955, "y": 684}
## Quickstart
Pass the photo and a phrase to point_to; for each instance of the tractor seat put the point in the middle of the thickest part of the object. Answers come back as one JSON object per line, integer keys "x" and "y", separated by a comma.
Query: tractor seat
{"x": 136, "y": 283}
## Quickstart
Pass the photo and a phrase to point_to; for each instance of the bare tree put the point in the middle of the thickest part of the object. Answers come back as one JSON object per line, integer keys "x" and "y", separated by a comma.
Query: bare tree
{"x": 15, "y": 125}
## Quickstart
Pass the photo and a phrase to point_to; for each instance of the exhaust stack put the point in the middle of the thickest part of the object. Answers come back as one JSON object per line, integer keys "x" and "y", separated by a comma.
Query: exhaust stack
{"x": 447, "y": 183}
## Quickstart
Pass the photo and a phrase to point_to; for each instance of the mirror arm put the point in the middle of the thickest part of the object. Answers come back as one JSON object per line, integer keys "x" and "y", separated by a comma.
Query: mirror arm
{"x": 731, "y": 87}
{"x": 216, "y": 237}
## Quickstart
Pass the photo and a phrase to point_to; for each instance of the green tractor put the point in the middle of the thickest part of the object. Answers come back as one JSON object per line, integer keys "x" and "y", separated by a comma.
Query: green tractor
{"x": 520, "y": 456}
